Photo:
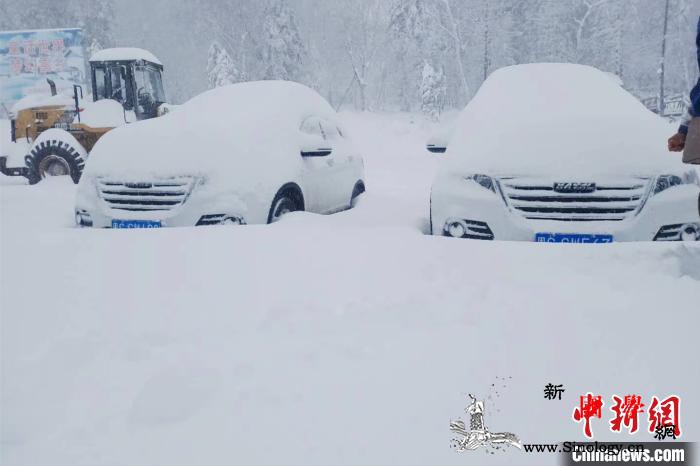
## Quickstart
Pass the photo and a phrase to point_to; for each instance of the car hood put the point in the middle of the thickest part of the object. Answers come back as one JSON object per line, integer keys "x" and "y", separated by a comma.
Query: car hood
{"x": 166, "y": 147}
{"x": 558, "y": 119}
{"x": 242, "y": 134}
{"x": 580, "y": 146}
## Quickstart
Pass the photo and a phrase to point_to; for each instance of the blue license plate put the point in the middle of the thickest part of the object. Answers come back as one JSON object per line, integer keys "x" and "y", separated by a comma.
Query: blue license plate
{"x": 136, "y": 224}
{"x": 572, "y": 238}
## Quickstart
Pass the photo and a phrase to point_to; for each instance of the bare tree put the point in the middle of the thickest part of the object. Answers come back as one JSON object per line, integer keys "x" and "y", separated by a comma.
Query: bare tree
{"x": 458, "y": 43}
{"x": 363, "y": 37}
{"x": 662, "y": 64}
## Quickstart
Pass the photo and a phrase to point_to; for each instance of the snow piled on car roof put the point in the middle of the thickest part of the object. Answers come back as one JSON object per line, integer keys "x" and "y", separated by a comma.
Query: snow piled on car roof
{"x": 245, "y": 133}
{"x": 557, "y": 118}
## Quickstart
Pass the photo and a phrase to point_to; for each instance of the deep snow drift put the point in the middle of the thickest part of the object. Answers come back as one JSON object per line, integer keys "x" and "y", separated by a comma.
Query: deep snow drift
{"x": 349, "y": 339}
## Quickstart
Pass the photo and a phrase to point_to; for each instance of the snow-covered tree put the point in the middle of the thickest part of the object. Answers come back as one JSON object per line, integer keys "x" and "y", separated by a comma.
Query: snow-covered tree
{"x": 458, "y": 43}
{"x": 363, "y": 31}
{"x": 419, "y": 37}
{"x": 432, "y": 92}
{"x": 598, "y": 36}
{"x": 683, "y": 74}
{"x": 93, "y": 48}
{"x": 221, "y": 70}
{"x": 39, "y": 14}
{"x": 545, "y": 31}
{"x": 97, "y": 19}
{"x": 372, "y": 53}
{"x": 284, "y": 52}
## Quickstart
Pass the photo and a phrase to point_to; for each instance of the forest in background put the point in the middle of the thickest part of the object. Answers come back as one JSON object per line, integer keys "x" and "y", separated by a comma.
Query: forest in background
{"x": 409, "y": 55}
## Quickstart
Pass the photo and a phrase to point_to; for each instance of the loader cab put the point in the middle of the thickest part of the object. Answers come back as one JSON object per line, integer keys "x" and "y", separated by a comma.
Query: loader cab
{"x": 133, "y": 77}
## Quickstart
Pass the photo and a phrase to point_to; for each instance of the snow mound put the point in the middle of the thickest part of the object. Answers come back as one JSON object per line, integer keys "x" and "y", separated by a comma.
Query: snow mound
{"x": 245, "y": 345}
{"x": 104, "y": 113}
{"x": 123, "y": 54}
{"x": 5, "y": 132}
{"x": 234, "y": 133}
{"x": 41, "y": 100}
{"x": 558, "y": 118}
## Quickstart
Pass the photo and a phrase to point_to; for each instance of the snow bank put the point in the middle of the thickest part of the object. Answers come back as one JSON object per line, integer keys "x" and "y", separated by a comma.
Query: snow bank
{"x": 558, "y": 119}
{"x": 14, "y": 152}
{"x": 5, "y": 135}
{"x": 398, "y": 169}
{"x": 344, "y": 339}
{"x": 42, "y": 100}
{"x": 105, "y": 113}
{"x": 124, "y": 54}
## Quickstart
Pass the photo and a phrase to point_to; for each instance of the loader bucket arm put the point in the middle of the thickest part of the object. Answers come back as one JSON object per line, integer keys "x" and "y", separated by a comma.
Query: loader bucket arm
{"x": 12, "y": 171}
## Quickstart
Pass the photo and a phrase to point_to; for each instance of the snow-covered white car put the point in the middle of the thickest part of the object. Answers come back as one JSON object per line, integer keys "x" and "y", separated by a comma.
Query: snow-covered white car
{"x": 561, "y": 153}
{"x": 240, "y": 154}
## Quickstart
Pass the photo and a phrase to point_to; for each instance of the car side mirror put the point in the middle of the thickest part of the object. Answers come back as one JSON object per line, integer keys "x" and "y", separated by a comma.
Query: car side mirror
{"x": 437, "y": 144}
{"x": 436, "y": 149}
{"x": 315, "y": 147}
{"x": 316, "y": 152}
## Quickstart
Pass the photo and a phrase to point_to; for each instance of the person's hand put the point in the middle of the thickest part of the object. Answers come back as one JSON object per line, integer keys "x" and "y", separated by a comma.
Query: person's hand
{"x": 676, "y": 143}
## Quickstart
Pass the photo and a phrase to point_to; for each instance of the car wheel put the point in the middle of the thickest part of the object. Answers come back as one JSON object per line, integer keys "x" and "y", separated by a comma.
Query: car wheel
{"x": 356, "y": 191}
{"x": 285, "y": 201}
{"x": 53, "y": 158}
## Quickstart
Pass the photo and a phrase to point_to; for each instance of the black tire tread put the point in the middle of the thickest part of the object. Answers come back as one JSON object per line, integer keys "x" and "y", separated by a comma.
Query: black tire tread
{"x": 291, "y": 192}
{"x": 62, "y": 149}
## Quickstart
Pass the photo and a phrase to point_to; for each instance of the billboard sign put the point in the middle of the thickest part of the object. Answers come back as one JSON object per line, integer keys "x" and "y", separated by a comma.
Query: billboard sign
{"x": 28, "y": 58}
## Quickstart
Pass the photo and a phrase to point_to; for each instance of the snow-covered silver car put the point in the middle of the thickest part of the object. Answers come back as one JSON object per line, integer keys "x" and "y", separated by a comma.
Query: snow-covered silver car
{"x": 240, "y": 154}
{"x": 561, "y": 153}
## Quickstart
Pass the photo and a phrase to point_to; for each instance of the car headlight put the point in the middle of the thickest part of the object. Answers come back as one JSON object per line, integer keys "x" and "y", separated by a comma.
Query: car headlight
{"x": 664, "y": 182}
{"x": 83, "y": 218}
{"x": 484, "y": 180}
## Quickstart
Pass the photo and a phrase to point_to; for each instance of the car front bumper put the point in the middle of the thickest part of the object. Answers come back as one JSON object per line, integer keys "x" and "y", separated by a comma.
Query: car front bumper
{"x": 200, "y": 207}
{"x": 487, "y": 215}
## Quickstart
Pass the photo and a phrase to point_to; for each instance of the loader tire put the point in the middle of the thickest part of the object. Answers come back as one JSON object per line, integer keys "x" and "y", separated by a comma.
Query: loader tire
{"x": 53, "y": 158}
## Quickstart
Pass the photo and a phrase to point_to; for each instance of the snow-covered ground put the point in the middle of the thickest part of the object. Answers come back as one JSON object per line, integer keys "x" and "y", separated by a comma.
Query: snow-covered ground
{"x": 348, "y": 339}
{"x": 14, "y": 152}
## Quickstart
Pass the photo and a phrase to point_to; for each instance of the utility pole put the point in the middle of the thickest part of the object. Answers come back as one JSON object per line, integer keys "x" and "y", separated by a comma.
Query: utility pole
{"x": 487, "y": 63}
{"x": 662, "y": 69}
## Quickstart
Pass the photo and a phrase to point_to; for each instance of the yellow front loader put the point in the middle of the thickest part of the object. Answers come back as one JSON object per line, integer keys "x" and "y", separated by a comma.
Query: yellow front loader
{"x": 60, "y": 131}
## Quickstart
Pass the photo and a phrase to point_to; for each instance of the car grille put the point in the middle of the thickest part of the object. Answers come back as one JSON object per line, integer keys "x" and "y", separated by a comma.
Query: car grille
{"x": 145, "y": 196}
{"x": 614, "y": 200}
